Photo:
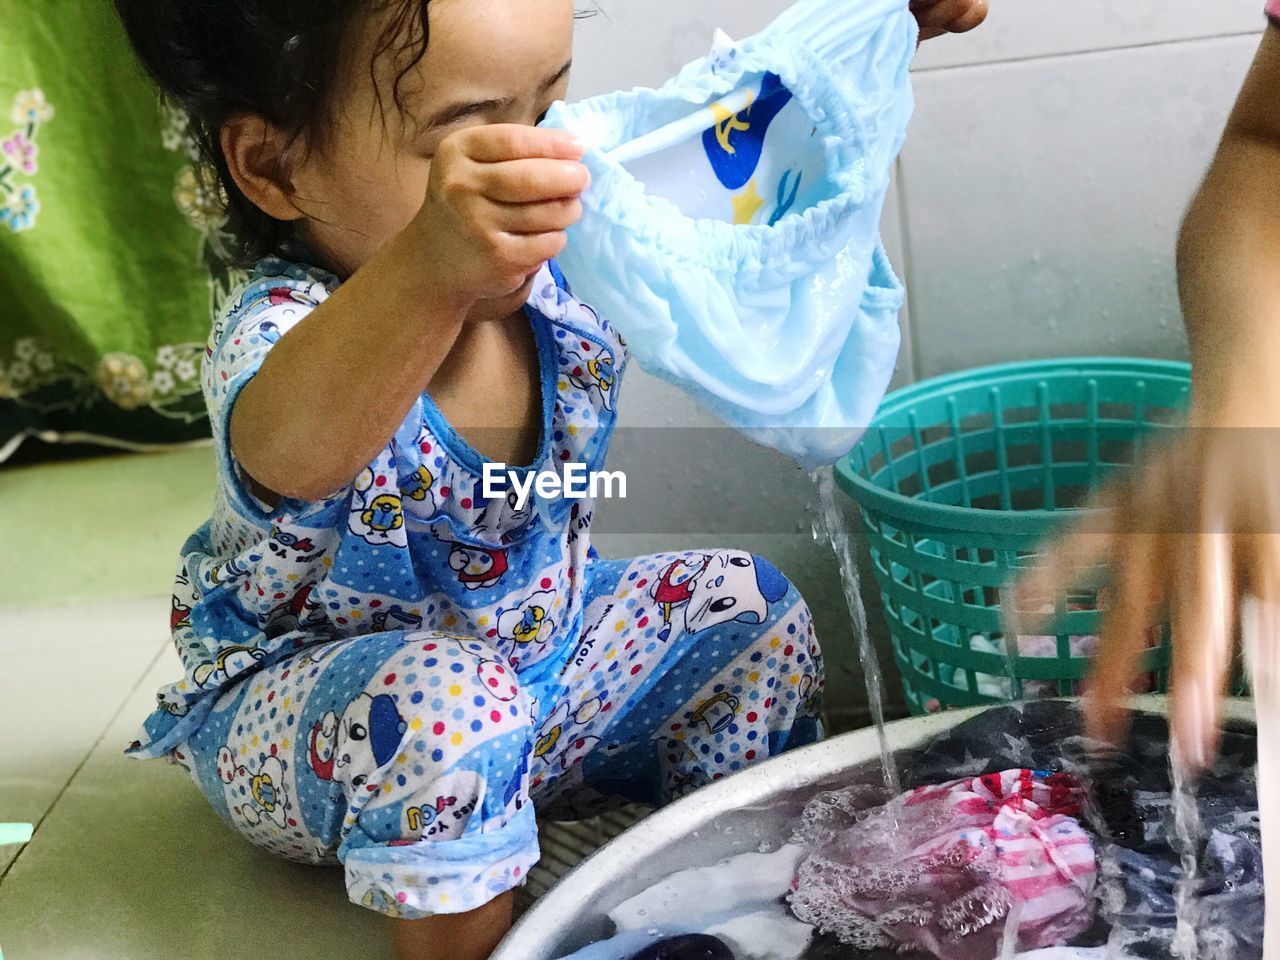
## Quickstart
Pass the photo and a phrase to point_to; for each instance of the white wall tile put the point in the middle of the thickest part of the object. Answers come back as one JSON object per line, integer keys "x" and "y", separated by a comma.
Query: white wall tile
{"x": 627, "y": 43}
{"x": 1020, "y": 29}
{"x": 1043, "y": 200}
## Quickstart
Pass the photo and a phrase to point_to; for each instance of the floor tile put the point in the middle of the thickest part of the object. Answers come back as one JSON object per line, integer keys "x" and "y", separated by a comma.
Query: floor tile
{"x": 146, "y": 871}
{"x": 64, "y": 674}
{"x": 99, "y": 529}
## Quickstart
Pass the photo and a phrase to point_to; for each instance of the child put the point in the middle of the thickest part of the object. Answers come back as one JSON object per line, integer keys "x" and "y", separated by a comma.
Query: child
{"x": 385, "y": 666}
{"x": 1193, "y": 529}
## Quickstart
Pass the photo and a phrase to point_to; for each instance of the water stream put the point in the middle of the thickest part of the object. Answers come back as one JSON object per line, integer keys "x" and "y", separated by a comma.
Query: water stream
{"x": 831, "y": 527}
{"x": 1187, "y": 833}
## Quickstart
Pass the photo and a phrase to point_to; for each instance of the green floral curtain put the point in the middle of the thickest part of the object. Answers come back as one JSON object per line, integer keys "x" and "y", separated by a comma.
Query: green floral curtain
{"x": 111, "y": 239}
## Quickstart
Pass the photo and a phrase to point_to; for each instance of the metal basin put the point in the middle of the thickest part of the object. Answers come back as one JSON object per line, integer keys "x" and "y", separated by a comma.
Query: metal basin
{"x": 732, "y": 816}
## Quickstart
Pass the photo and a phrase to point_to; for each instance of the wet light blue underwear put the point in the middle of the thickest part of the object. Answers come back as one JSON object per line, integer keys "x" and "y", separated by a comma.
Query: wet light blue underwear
{"x": 732, "y": 229}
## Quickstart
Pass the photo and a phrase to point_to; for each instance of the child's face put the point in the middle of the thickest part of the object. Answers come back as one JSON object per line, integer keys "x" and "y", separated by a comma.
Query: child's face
{"x": 487, "y": 61}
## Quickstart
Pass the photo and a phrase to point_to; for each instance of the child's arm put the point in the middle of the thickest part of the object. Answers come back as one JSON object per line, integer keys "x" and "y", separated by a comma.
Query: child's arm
{"x": 334, "y": 389}
{"x": 1194, "y": 528}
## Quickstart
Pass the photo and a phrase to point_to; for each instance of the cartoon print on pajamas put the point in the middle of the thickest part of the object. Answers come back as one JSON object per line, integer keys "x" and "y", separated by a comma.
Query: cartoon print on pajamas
{"x": 716, "y": 713}
{"x": 396, "y": 617}
{"x": 348, "y": 749}
{"x": 557, "y": 744}
{"x": 221, "y": 574}
{"x": 289, "y": 546}
{"x": 179, "y": 615}
{"x": 377, "y": 516}
{"x": 674, "y": 587}
{"x": 287, "y": 308}
{"x": 254, "y": 798}
{"x": 445, "y": 817}
{"x": 590, "y": 366}
{"x": 733, "y": 585}
{"x": 477, "y": 567}
{"x": 185, "y": 596}
{"x": 416, "y": 488}
{"x": 324, "y": 721}
{"x": 411, "y": 771}
{"x": 716, "y": 588}
{"x": 170, "y": 703}
{"x": 502, "y": 518}
{"x": 810, "y": 693}
{"x": 310, "y": 297}
{"x": 318, "y": 654}
{"x": 530, "y": 620}
{"x": 229, "y": 662}
{"x": 300, "y": 611}
{"x": 499, "y": 682}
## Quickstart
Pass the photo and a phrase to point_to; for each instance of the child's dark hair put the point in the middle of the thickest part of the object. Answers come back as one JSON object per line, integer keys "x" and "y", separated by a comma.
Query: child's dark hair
{"x": 276, "y": 58}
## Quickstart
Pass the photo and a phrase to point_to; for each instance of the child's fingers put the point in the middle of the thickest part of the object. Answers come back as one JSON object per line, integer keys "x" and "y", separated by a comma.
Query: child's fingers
{"x": 526, "y": 252}
{"x": 1204, "y": 606}
{"x": 533, "y": 218}
{"x": 499, "y": 142}
{"x": 531, "y": 181}
{"x": 954, "y": 16}
{"x": 1138, "y": 592}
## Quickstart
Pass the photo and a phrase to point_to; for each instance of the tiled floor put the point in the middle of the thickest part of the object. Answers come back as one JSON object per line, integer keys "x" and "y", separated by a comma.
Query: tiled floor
{"x": 128, "y": 862}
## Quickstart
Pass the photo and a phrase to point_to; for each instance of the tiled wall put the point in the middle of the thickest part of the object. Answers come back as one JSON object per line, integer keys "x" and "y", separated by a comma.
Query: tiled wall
{"x": 1034, "y": 213}
{"x": 1047, "y": 170}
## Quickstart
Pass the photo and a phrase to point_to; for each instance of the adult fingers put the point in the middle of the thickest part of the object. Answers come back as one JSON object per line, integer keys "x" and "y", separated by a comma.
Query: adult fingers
{"x": 1067, "y": 562}
{"x": 1138, "y": 588}
{"x": 1204, "y": 606}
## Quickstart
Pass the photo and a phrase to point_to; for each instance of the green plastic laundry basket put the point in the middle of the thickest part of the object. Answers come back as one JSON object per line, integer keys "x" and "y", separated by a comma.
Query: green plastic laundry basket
{"x": 960, "y": 479}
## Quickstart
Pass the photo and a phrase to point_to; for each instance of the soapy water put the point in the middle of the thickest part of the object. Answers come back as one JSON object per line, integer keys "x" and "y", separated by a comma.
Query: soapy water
{"x": 1129, "y": 811}
{"x": 831, "y": 527}
{"x": 1169, "y": 882}
{"x": 1187, "y": 833}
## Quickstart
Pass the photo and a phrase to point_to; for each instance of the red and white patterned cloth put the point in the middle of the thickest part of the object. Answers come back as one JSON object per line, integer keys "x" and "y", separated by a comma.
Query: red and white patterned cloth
{"x": 1046, "y": 860}
{"x": 966, "y": 859}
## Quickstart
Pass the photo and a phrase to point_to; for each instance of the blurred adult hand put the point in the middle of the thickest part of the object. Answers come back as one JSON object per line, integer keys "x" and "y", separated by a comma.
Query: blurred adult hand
{"x": 1194, "y": 529}
{"x": 1191, "y": 532}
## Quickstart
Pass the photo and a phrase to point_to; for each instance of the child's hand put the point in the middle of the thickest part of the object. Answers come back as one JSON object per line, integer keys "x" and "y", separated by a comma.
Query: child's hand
{"x": 498, "y": 203}
{"x": 937, "y": 17}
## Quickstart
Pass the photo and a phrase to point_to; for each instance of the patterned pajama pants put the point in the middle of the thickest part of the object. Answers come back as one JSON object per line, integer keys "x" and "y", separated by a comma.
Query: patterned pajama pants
{"x": 416, "y": 758}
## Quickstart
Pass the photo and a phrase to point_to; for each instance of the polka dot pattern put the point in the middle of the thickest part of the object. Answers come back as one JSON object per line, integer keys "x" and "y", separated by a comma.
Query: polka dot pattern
{"x": 384, "y": 745}
{"x": 407, "y": 664}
